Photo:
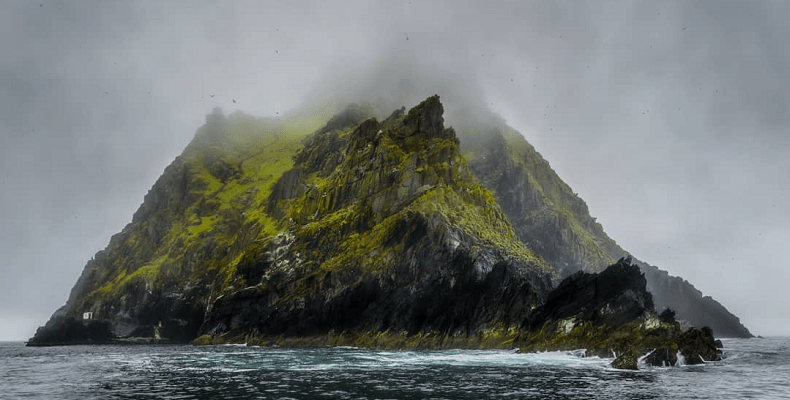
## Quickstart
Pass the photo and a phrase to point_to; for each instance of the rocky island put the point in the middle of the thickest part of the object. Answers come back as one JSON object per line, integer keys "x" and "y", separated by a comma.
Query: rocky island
{"x": 393, "y": 232}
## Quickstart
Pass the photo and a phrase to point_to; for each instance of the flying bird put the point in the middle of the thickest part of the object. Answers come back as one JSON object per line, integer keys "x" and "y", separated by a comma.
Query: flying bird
{"x": 234, "y": 100}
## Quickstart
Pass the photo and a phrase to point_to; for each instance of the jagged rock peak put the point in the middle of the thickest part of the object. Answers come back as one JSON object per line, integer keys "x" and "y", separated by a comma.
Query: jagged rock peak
{"x": 427, "y": 118}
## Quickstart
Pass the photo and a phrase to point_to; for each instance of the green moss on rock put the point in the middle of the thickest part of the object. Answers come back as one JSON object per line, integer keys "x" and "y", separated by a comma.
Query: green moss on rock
{"x": 356, "y": 232}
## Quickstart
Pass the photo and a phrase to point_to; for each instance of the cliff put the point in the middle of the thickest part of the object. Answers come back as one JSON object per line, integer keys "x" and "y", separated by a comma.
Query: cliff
{"x": 556, "y": 224}
{"x": 296, "y": 231}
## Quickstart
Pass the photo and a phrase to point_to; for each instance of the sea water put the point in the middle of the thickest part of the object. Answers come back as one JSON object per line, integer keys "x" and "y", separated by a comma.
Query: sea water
{"x": 751, "y": 368}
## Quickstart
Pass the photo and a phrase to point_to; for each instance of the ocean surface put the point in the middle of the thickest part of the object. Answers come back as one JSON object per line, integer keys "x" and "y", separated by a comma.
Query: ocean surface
{"x": 753, "y": 368}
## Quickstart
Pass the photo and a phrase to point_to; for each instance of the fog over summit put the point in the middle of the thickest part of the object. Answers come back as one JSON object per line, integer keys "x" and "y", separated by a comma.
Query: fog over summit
{"x": 670, "y": 120}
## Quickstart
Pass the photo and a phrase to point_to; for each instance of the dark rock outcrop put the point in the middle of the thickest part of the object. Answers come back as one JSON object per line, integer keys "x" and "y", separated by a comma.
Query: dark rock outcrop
{"x": 63, "y": 329}
{"x": 695, "y": 346}
{"x": 611, "y": 314}
{"x": 613, "y": 297}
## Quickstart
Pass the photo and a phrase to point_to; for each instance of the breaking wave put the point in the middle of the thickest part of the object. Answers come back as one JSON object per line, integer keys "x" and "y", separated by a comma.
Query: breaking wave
{"x": 751, "y": 368}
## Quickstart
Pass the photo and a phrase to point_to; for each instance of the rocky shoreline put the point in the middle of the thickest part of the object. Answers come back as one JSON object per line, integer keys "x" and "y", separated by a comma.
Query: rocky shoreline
{"x": 608, "y": 314}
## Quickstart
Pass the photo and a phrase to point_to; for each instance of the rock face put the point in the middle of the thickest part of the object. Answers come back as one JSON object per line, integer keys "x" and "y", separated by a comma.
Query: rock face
{"x": 556, "y": 224}
{"x": 611, "y": 313}
{"x": 66, "y": 329}
{"x": 368, "y": 233}
{"x": 613, "y": 297}
{"x": 548, "y": 217}
{"x": 391, "y": 233}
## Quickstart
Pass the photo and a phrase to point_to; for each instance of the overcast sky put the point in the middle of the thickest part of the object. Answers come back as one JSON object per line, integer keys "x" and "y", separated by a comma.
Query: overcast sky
{"x": 671, "y": 119}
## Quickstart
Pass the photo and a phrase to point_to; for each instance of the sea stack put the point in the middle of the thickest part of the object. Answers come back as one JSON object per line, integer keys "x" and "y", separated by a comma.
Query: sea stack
{"x": 373, "y": 232}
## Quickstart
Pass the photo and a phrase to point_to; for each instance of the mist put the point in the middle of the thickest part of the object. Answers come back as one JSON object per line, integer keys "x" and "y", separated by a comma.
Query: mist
{"x": 670, "y": 119}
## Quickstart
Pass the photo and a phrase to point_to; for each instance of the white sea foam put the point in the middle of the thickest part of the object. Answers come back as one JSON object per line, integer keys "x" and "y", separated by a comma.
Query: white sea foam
{"x": 681, "y": 359}
{"x": 751, "y": 368}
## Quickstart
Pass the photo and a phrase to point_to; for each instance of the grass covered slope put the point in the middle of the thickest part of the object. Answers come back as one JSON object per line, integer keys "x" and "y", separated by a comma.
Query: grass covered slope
{"x": 194, "y": 227}
{"x": 547, "y": 215}
{"x": 385, "y": 229}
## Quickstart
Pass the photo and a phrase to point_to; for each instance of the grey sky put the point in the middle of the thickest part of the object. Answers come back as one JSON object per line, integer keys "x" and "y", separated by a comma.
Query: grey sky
{"x": 671, "y": 119}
